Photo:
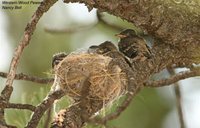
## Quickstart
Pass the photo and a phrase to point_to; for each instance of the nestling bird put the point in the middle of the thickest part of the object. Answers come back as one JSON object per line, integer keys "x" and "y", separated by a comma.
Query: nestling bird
{"x": 133, "y": 46}
{"x": 103, "y": 48}
{"x": 57, "y": 58}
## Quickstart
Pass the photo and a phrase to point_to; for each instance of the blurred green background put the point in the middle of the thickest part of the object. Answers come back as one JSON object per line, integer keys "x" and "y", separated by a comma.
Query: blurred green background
{"x": 151, "y": 108}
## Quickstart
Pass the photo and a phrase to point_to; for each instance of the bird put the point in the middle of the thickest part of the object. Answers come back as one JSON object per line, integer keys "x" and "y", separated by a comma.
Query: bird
{"x": 133, "y": 46}
{"x": 57, "y": 58}
{"x": 103, "y": 48}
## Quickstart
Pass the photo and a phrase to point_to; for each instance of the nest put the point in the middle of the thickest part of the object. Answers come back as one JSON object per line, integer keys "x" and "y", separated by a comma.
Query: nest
{"x": 106, "y": 80}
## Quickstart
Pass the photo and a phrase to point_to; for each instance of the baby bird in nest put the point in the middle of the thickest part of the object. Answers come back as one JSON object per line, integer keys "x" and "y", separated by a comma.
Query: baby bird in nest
{"x": 57, "y": 58}
{"x": 133, "y": 46}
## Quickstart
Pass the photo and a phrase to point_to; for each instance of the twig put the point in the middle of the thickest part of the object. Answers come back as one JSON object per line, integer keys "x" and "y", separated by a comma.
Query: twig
{"x": 104, "y": 22}
{"x": 48, "y": 119}
{"x": 178, "y": 104}
{"x": 6, "y": 93}
{"x": 84, "y": 27}
{"x": 22, "y": 76}
{"x": 178, "y": 100}
{"x": 17, "y": 106}
{"x": 69, "y": 30}
{"x": 7, "y": 126}
{"x": 42, "y": 107}
{"x": 173, "y": 79}
{"x": 111, "y": 116}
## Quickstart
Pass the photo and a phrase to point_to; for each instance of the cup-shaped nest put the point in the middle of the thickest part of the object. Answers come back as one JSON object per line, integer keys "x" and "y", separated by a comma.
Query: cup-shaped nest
{"x": 106, "y": 80}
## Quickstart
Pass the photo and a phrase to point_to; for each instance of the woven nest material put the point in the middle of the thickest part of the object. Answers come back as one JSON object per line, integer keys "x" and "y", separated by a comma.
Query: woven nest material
{"x": 106, "y": 81}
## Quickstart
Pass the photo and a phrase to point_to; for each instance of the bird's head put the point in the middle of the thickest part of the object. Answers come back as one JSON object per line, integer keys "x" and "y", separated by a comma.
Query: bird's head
{"x": 107, "y": 46}
{"x": 57, "y": 58}
{"x": 126, "y": 33}
{"x": 103, "y": 48}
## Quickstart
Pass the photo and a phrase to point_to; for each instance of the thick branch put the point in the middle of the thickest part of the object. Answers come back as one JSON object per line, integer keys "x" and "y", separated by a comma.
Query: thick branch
{"x": 22, "y": 76}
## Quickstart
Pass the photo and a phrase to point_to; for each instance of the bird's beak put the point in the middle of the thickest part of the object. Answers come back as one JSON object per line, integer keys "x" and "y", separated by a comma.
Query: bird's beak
{"x": 120, "y": 35}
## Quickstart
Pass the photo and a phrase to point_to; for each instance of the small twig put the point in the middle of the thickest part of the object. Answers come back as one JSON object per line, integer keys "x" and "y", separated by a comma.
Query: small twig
{"x": 22, "y": 76}
{"x": 178, "y": 100}
{"x": 84, "y": 27}
{"x": 178, "y": 104}
{"x": 7, "y": 126}
{"x": 48, "y": 119}
{"x": 17, "y": 106}
{"x": 69, "y": 30}
{"x": 173, "y": 79}
{"x": 104, "y": 22}
{"x": 119, "y": 110}
{"x": 42, "y": 107}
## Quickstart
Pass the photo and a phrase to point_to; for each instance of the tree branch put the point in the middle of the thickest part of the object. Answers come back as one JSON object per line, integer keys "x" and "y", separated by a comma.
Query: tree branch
{"x": 165, "y": 82}
{"x": 178, "y": 99}
{"x": 48, "y": 118}
{"x": 7, "y": 91}
{"x": 43, "y": 106}
{"x": 7, "y": 126}
{"x": 84, "y": 27}
{"x": 35, "y": 79}
{"x": 17, "y": 106}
